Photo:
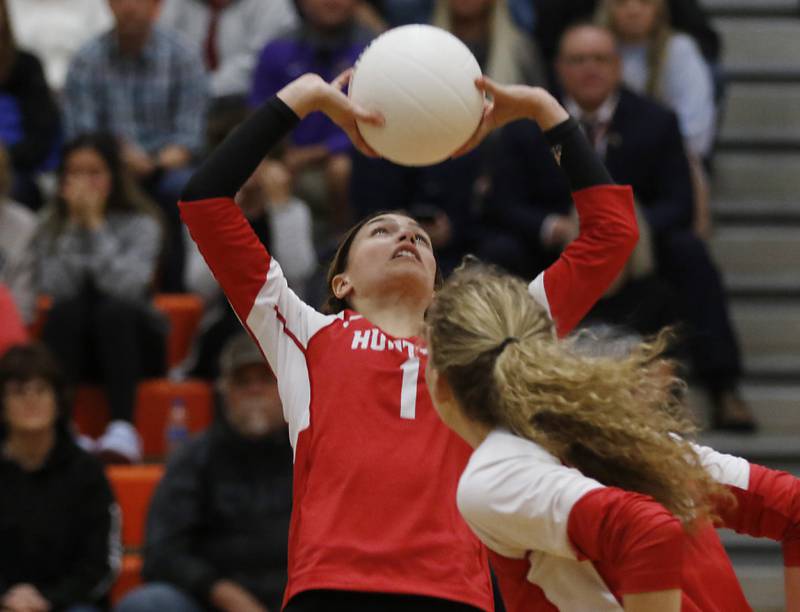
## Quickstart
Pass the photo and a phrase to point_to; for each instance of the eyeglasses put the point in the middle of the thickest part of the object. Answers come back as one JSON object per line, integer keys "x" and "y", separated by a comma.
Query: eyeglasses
{"x": 581, "y": 59}
{"x": 30, "y": 387}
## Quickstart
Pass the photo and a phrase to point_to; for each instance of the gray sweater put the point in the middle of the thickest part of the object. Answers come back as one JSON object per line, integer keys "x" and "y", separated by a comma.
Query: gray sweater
{"x": 17, "y": 227}
{"x": 120, "y": 257}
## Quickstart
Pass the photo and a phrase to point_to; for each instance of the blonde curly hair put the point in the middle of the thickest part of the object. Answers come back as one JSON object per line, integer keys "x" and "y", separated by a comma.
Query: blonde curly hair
{"x": 616, "y": 419}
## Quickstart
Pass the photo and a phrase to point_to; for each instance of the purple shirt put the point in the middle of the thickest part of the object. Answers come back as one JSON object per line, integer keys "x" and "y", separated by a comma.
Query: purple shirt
{"x": 286, "y": 58}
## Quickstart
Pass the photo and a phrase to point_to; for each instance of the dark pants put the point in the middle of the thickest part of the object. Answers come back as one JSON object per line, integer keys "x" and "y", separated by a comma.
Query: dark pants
{"x": 115, "y": 342}
{"x": 685, "y": 263}
{"x": 350, "y": 601}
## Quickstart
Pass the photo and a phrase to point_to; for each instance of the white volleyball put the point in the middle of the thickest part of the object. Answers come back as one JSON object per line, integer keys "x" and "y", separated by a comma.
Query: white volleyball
{"x": 422, "y": 79}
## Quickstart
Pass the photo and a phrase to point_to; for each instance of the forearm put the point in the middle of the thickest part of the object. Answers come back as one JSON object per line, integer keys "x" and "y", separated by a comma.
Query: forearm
{"x": 578, "y": 160}
{"x": 125, "y": 268}
{"x": 175, "y": 565}
{"x": 61, "y": 269}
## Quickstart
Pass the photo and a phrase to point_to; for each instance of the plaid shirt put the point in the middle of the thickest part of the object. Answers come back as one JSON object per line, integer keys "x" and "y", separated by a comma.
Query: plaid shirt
{"x": 155, "y": 99}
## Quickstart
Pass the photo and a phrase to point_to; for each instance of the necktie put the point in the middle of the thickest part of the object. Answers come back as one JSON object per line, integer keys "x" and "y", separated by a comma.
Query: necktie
{"x": 212, "y": 58}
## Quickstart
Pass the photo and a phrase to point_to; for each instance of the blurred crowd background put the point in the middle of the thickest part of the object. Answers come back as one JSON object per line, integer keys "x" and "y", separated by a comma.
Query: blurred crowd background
{"x": 107, "y": 107}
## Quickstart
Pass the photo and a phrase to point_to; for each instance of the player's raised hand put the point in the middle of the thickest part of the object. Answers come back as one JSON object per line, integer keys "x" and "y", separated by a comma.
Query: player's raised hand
{"x": 344, "y": 112}
{"x": 310, "y": 93}
{"x": 507, "y": 103}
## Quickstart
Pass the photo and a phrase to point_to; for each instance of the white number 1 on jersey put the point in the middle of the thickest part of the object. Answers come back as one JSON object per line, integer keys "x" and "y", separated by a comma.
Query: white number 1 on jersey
{"x": 408, "y": 392}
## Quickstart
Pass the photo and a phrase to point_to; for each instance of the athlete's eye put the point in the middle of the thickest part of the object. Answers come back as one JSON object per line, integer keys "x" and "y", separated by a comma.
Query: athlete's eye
{"x": 378, "y": 230}
{"x": 421, "y": 239}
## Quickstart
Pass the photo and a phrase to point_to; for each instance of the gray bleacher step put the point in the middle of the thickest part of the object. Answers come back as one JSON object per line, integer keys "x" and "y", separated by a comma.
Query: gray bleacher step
{"x": 767, "y": 326}
{"x": 777, "y": 450}
{"x": 760, "y": 45}
{"x": 737, "y": 542}
{"x": 758, "y": 112}
{"x": 762, "y": 583}
{"x": 775, "y": 406}
{"x": 765, "y": 181}
{"x": 753, "y": 258}
{"x": 772, "y": 366}
{"x": 749, "y": 7}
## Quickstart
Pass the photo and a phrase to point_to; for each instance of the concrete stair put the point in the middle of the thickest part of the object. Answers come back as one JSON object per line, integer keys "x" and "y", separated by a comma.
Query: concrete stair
{"x": 756, "y": 243}
{"x": 762, "y": 114}
{"x": 760, "y": 48}
{"x": 759, "y": 258}
{"x": 756, "y": 187}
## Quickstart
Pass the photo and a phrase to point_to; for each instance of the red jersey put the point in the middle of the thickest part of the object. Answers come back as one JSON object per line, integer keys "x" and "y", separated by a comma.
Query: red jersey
{"x": 563, "y": 541}
{"x": 376, "y": 471}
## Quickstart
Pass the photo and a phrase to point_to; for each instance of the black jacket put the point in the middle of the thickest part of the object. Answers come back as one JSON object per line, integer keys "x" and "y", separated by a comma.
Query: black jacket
{"x": 222, "y": 511}
{"x": 59, "y": 527}
{"x": 645, "y": 150}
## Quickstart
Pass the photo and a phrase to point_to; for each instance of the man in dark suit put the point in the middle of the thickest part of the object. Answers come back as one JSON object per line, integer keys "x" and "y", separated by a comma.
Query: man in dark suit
{"x": 642, "y": 146}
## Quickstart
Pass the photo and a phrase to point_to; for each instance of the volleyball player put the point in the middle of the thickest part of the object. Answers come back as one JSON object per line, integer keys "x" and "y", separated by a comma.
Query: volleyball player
{"x": 375, "y": 525}
{"x": 577, "y": 471}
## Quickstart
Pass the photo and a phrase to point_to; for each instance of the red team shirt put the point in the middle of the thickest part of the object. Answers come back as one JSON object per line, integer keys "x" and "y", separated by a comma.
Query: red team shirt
{"x": 376, "y": 471}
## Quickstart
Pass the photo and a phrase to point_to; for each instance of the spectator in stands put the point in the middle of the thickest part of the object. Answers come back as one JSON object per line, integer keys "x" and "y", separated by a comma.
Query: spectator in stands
{"x": 551, "y": 17}
{"x": 55, "y": 29}
{"x": 218, "y": 524}
{"x": 29, "y": 122}
{"x": 642, "y": 146}
{"x": 505, "y": 52}
{"x": 146, "y": 87}
{"x": 12, "y": 330}
{"x": 59, "y": 524}
{"x": 668, "y": 66}
{"x": 96, "y": 254}
{"x": 17, "y": 226}
{"x": 328, "y": 42}
{"x": 282, "y": 222}
{"x": 664, "y": 64}
{"x": 229, "y": 35}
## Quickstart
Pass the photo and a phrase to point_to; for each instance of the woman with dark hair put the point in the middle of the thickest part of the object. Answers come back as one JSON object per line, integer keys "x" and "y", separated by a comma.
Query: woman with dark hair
{"x": 29, "y": 120}
{"x": 96, "y": 255}
{"x": 59, "y": 524}
{"x": 374, "y": 521}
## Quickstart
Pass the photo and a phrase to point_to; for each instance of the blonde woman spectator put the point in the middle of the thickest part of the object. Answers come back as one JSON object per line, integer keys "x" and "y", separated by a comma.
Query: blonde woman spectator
{"x": 17, "y": 226}
{"x": 504, "y": 52}
{"x": 55, "y": 29}
{"x": 669, "y": 66}
{"x": 664, "y": 64}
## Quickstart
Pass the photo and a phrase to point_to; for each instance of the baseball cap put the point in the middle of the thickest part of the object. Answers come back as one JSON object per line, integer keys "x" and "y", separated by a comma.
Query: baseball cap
{"x": 238, "y": 352}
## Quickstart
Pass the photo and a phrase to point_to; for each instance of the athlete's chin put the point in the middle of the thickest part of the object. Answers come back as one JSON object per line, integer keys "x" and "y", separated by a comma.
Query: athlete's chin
{"x": 408, "y": 279}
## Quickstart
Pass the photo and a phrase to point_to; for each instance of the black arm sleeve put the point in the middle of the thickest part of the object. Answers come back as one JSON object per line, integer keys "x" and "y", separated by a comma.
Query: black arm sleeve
{"x": 230, "y": 165}
{"x": 577, "y": 158}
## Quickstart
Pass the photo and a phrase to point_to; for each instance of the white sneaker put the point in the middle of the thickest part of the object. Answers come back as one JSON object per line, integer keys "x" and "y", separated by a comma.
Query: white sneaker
{"x": 120, "y": 443}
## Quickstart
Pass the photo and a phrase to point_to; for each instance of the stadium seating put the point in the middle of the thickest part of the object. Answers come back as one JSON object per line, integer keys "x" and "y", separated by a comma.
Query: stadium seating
{"x": 153, "y": 403}
{"x": 133, "y": 487}
{"x": 130, "y": 576}
{"x": 184, "y": 312}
